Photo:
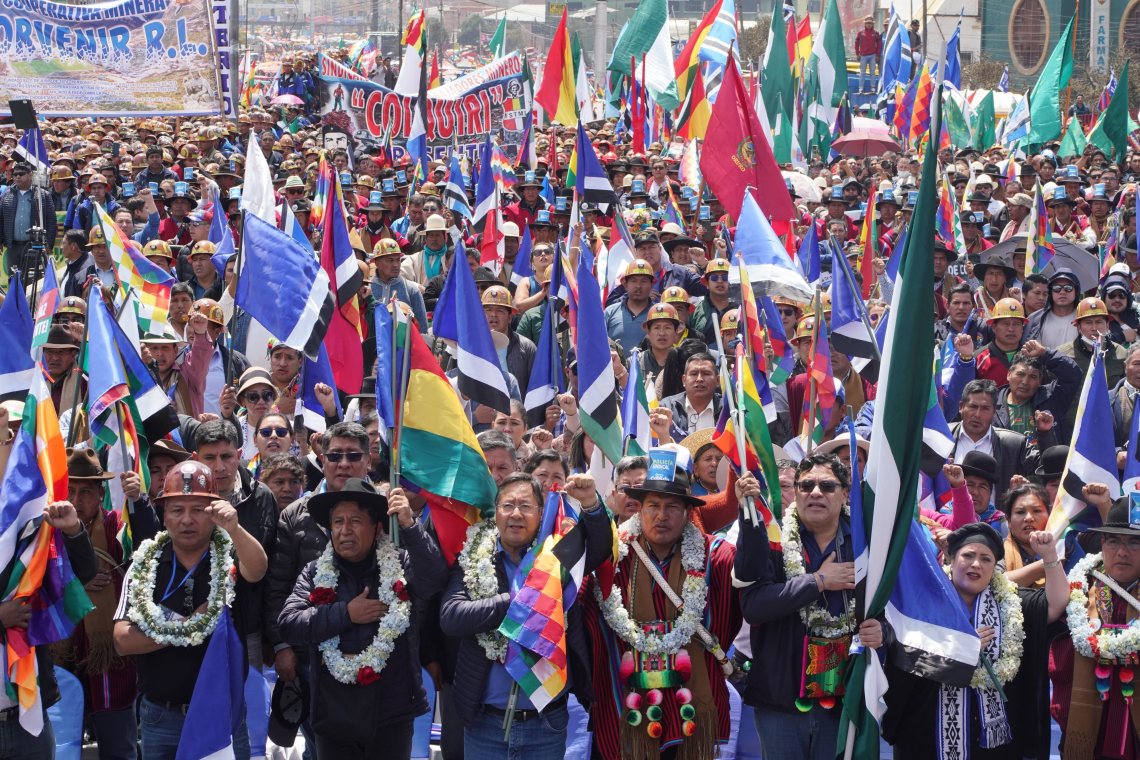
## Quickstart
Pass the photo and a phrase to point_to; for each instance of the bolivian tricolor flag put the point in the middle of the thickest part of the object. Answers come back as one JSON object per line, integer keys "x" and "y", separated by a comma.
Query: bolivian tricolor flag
{"x": 557, "y": 94}
{"x": 439, "y": 453}
{"x": 434, "y": 80}
{"x": 688, "y": 64}
{"x": 695, "y": 110}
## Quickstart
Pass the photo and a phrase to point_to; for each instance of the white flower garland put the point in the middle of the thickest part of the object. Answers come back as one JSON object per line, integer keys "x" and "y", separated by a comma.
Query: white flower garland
{"x": 693, "y": 595}
{"x": 347, "y": 668}
{"x": 1111, "y": 643}
{"x": 1012, "y": 632}
{"x": 477, "y": 558}
{"x": 151, "y": 618}
{"x": 816, "y": 618}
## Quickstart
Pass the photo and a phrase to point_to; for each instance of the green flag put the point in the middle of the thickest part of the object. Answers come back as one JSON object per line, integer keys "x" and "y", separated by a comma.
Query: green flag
{"x": 983, "y": 124}
{"x": 781, "y": 134}
{"x": 1075, "y": 140}
{"x": 1045, "y": 98}
{"x": 499, "y": 39}
{"x": 777, "y": 77}
{"x": 827, "y": 64}
{"x": 647, "y": 37}
{"x": 1113, "y": 126}
{"x": 889, "y": 498}
{"x": 956, "y": 124}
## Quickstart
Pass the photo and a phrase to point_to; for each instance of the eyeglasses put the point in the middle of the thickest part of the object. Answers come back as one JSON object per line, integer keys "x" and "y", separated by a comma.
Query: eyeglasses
{"x": 826, "y": 486}
{"x": 1116, "y": 543}
{"x": 526, "y": 510}
{"x": 352, "y": 456}
{"x": 722, "y": 277}
{"x": 269, "y": 432}
{"x": 1063, "y": 288}
{"x": 199, "y": 224}
{"x": 266, "y": 396}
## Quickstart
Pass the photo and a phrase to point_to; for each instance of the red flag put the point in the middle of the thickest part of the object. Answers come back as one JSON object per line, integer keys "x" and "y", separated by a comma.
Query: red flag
{"x": 736, "y": 153}
{"x": 489, "y": 250}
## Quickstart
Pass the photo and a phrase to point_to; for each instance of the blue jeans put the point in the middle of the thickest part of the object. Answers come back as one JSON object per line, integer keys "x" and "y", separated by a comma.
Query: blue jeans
{"x": 866, "y": 66}
{"x": 802, "y": 736}
{"x": 162, "y": 729}
{"x": 117, "y": 733}
{"x": 541, "y": 738}
{"x": 17, "y": 744}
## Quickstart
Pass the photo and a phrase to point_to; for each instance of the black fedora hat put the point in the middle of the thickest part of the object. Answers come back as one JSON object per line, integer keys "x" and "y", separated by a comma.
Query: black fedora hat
{"x": 1052, "y": 462}
{"x": 1121, "y": 519}
{"x": 975, "y": 463}
{"x": 994, "y": 260}
{"x": 668, "y": 476}
{"x": 367, "y": 388}
{"x": 360, "y": 491}
{"x": 289, "y": 708}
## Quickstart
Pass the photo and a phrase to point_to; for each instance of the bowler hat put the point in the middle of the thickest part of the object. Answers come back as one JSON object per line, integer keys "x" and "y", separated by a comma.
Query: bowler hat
{"x": 980, "y": 465}
{"x": 360, "y": 491}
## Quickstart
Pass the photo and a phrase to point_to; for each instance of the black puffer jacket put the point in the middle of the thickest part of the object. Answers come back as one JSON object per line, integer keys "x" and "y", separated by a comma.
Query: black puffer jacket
{"x": 299, "y": 541}
{"x": 353, "y": 711}
{"x": 462, "y": 616}
{"x": 257, "y": 513}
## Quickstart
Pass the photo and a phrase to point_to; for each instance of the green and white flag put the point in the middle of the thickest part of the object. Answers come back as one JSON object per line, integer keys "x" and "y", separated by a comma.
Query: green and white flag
{"x": 1045, "y": 97}
{"x": 1111, "y": 131}
{"x": 777, "y": 77}
{"x": 499, "y": 39}
{"x": 889, "y": 500}
{"x": 1075, "y": 140}
{"x": 648, "y": 36}
{"x": 826, "y": 70}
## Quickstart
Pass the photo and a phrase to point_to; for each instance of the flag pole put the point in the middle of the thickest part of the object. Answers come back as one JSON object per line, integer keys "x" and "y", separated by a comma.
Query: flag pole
{"x": 233, "y": 316}
{"x": 73, "y": 428}
{"x": 123, "y": 447}
{"x": 731, "y": 398}
{"x": 814, "y": 341}
{"x": 394, "y": 527}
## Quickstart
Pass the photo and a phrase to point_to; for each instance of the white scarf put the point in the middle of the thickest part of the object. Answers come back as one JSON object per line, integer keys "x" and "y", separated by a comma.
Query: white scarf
{"x": 954, "y": 701}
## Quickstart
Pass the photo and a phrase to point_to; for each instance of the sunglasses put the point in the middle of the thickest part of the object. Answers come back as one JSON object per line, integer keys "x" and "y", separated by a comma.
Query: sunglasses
{"x": 352, "y": 456}
{"x": 64, "y": 319}
{"x": 787, "y": 312}
{"x": 266, "y": 396}
{"x": 269, "y": 432}
{"x": 1113, "y": 294}
{"x": 1063, "y": 288}
{"x": 199, "y": 224}
{"x": 826, "y": 486}
{"x": 19, "y": 174}
{"x": 722, "y": 277}
{"x": 294, "y": 192}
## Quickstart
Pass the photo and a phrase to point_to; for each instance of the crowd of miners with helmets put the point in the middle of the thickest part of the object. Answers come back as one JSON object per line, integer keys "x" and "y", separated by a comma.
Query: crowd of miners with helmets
{"x": 240, "y": 470}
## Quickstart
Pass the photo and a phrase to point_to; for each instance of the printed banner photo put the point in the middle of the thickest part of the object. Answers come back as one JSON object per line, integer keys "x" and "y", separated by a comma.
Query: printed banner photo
{"x": 358, "y": 114}
{"x": 118, "y": 58}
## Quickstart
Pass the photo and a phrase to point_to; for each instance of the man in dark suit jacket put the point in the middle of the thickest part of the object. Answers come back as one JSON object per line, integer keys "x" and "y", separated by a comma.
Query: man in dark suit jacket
{"x": 14, "y": 231}
{"x": 691, "y": 409}
{"x": 1014, "y": 454}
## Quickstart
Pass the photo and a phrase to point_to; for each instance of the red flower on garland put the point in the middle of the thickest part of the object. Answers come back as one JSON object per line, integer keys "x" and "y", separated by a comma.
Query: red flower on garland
{"x": 401, "y": 591}
{"x": 322, "y": 596}
{"x": 367, "y": 675}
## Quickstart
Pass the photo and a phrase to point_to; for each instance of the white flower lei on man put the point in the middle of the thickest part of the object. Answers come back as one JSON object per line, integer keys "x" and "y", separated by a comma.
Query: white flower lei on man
{"x": 1012, "y": 632}
{"x": 815, "y": 618}
{"x": 693, "y": 595}
{"x": 151, "y": 617}
{"x": 1111, "y": 643}
{"x": 346, "y": 667}
{"x": 477, "y": 558}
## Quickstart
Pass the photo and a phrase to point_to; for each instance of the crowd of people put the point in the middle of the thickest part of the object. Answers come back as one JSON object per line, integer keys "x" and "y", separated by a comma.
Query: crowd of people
{"x": 335, "y": 576}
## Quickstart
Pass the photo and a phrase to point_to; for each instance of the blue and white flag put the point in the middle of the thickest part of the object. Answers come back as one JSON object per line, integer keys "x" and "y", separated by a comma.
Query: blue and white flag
{"x": 896, "y": 66}
{"x": 954, "y": 56}
{"x": 808, "y": 255}
{"x": 31, "y": 149}
{"x": 459, "y": 317}
{"x": 309, "y": 406}
{"x": 1017, "y": 125}
{"x": 547, "y": 192}
{"x": 222, "y": 255}
{"x": 770, "y": 269}
{"x": 597, "y": 403}
{"x": 849, "y": 332}
{"x": 291, "y": 227}
{"x": 487, "y": 190}
{"x": 718, "y": 44}
{"x": 217, "y": 706}
{"x": 522, "y": 269}
{"x": 1131, "y": 480}
{"x": 546, "y": 373}
{"x": 636, "y": 434}
{"x": 1003, "y": 85}
{"x": 283, "y": 287}
{"x": 893, "y": 261}
{"x": 591, "y": 183}
{"x": 16, "y": 328}
{"x": 417, "y": 134}
{"x": 455, "y": 192}
{"x": 1092, "y": 455}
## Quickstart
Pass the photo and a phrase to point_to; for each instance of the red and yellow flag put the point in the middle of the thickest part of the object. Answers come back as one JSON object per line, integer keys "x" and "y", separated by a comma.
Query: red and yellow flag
{"x": 435, "y": 80}
{"x": 695, "y": 110}
{"x": 556, "y": 94}
{"x": 687, "y": 66}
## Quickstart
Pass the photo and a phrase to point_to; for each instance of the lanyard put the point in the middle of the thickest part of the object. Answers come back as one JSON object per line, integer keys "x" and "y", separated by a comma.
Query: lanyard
{"x": 170, "y": 591}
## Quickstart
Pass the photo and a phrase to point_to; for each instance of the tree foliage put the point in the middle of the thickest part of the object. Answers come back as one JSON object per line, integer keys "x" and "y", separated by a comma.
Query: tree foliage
{"x": 984, "y": 73}
{"x": 470, "y": 30}
{"x": 754, "y": 40}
